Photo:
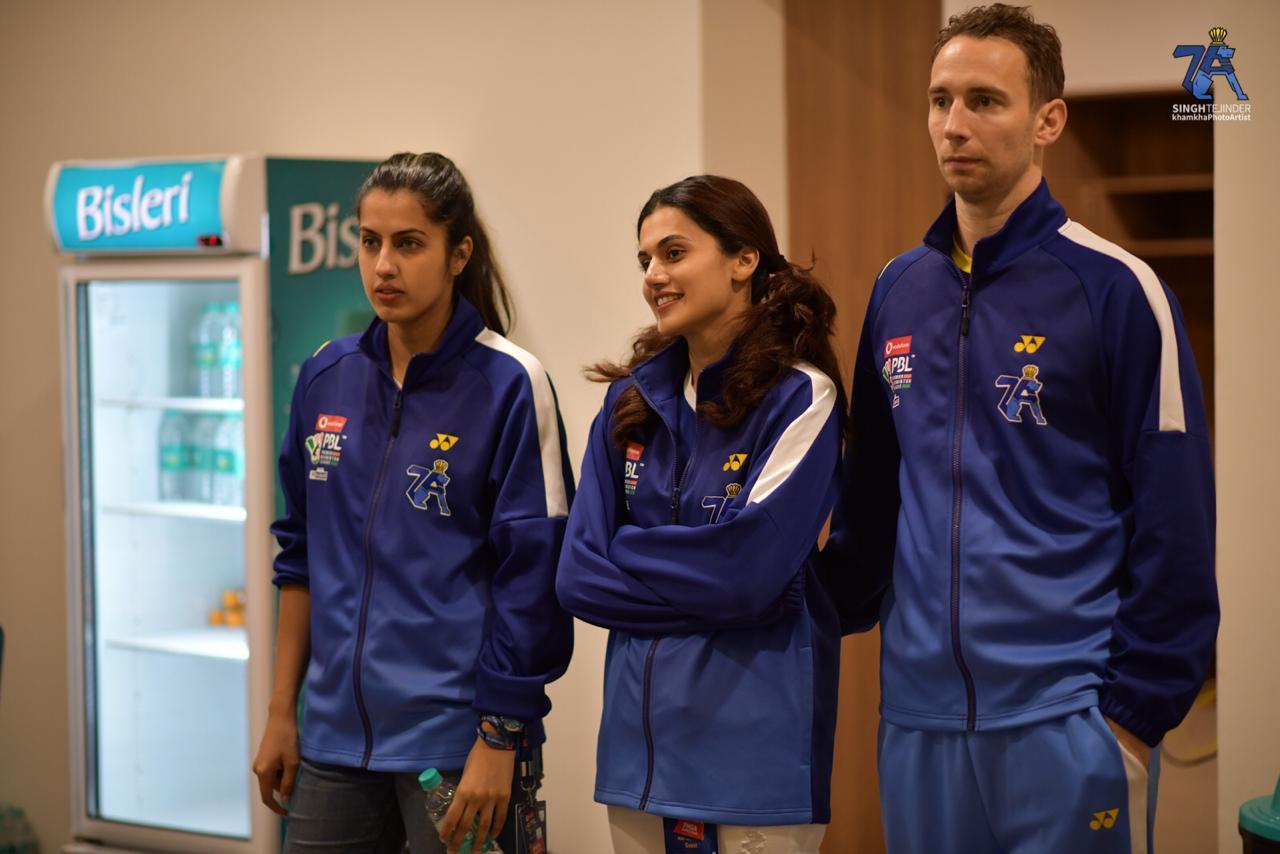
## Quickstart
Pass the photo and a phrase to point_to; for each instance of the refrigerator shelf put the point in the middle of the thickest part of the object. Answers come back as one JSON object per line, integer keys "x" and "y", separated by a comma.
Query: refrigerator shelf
{"x": 222, "y": 642}
{"x": 179, "y": 510}
{"x": 180, "y": 404}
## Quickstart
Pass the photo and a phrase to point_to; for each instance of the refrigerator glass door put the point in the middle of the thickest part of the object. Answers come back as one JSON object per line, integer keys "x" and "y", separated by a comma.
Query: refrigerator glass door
{"x": 162, "y": 546}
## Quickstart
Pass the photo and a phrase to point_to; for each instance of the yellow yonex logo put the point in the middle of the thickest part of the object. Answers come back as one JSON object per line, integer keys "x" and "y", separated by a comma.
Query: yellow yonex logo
{"x": 1028, "y": 343}
{"x": 1106, "y": 818}
{"x": 444, "y": 441}
{"x": 735, "y": 462}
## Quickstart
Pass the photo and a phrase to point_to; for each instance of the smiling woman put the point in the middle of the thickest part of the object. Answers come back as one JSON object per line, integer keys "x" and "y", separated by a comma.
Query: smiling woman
{"x": 709, "y": 473}
{"x": 429, "y": 629}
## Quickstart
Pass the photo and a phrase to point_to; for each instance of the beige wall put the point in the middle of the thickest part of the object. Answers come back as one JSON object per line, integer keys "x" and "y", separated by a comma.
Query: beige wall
{"x": 1117, "y": 47}
{"x": 564, "y": 115}
{"x": 1246, "y": 310}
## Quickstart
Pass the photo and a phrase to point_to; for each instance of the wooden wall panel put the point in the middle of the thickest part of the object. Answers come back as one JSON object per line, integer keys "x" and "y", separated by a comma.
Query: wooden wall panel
{"x": 864, "y": 186}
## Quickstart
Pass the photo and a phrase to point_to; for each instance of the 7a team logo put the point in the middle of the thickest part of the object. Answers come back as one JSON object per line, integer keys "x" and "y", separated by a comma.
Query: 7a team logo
{"x": 1019, "y": 393}
{"x": 1208, "y": 63}
{"x": 717, "y": 503}
{"x": 428, "y": 484}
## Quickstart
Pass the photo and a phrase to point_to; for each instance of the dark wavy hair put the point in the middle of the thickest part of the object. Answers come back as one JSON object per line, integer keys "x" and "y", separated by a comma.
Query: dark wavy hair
{"x": 446, "y": 199}
{"x": 790, "y": 319}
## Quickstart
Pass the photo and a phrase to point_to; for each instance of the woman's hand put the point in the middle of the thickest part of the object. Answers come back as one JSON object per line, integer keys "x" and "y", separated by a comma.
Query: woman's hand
{"x": 484, "y": 791}
{"x": 276, "y": 764}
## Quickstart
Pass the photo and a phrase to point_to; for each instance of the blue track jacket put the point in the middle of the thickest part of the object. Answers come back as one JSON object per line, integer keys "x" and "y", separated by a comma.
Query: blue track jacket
{"x": 1029, "y": 499}
{"x": 722, "y": 663}
{"x": 426, "y": 522}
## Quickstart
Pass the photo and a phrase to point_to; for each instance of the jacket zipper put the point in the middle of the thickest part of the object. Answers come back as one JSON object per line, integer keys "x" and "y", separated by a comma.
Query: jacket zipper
{"x": 648, "y": 726}
{"x": 368, "y": 579}
{"x": 957, "y": 491}
{"x": 676, "y": 485}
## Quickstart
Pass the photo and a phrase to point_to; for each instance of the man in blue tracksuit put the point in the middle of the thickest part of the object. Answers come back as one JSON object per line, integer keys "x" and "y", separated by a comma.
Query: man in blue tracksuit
{"x": 1028, "y": 507}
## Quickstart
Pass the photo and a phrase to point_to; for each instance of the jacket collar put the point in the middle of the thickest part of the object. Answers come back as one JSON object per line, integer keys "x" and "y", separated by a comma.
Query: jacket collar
{"x": 1034, "y": 221}
{"x": 661, "y": 378}
{"x": 463, "y": 327}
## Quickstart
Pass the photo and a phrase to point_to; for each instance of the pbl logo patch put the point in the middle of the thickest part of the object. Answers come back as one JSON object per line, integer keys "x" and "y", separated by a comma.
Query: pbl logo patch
{"x": 631, "y": 468}
{"x": 717, "y": 503}
{"x": 429, "y": 483}
{"x": 1021, "y": 392}
{"x": 898, "y": 366}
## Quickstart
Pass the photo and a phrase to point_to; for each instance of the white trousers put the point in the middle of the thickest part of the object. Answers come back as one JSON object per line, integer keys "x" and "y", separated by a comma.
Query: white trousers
{"x": 635, "y": 832}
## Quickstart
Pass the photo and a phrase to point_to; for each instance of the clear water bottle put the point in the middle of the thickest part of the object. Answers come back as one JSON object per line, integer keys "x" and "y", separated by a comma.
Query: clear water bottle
{"x": 174, "y": 456}
{"x": 228, "y": 462}
{"x": 439, "y": 797}
{"x": 203, "y": 439}
{"x": 204, "y": 353}
{"x": 230, "y": 351}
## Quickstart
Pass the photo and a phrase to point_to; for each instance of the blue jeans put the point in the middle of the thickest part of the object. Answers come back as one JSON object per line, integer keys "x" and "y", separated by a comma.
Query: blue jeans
{"x": 335, "y": 810}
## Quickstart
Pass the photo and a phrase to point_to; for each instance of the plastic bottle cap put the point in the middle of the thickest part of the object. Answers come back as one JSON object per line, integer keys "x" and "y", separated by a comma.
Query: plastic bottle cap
{"x": 430, "y": 779}
{"x": 1261, "y": 816}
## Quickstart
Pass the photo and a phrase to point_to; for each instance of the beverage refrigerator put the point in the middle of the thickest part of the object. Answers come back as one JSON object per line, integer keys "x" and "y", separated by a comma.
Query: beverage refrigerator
{"x": 191, "y": 291}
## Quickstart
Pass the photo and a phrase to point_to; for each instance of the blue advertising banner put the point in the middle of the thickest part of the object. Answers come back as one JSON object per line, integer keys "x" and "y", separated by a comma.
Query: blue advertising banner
{"x": 165, "y": 206}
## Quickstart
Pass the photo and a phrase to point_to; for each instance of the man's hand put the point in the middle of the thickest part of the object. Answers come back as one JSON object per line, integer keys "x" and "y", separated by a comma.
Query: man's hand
{"x": 1131, "y": 743}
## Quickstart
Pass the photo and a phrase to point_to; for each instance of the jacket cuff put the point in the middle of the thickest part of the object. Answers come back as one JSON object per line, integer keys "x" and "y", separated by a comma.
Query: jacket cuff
{"x": 1150, "y": 735}
{"x": 521, "y": 697}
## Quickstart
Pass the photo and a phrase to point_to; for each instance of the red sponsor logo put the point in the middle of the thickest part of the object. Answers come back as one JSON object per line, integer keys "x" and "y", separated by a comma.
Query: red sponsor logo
{"x": 691, "y": 829}
{"x": 331, "y": 423}
{"x": 897, "y": 346}
{"x": 634, "y": 450}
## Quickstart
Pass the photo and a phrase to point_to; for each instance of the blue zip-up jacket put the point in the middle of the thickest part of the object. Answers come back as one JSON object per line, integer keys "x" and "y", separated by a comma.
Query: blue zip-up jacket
{"x": 426, "y": 522}
{"x": 1029, "y": 499}
{"x": 723, "y": 655}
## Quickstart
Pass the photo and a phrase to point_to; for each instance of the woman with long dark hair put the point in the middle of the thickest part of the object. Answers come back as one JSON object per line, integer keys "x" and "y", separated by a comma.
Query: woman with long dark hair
{"x": 426, "y": 491}
{"x": 708, "y": 475}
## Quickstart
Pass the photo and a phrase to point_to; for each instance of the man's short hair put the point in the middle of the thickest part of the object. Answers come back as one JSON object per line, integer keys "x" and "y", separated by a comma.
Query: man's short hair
{"x": 1039, "y": 43}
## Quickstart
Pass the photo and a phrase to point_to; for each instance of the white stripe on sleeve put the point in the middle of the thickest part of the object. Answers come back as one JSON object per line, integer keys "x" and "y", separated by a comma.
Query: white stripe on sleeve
{"x": 1172, "y": 416}
{"x": 798, "y": 438}
{"x": 544, "y": 406}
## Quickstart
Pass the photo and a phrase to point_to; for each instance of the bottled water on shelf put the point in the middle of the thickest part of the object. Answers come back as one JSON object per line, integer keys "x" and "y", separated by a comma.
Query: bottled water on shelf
{"x": 203, "y": 442}
{"x": 228, "y": 462}
{"x": 229, "y": 353}
{"x": 175, "y": 456}
{"x": 204, "y": 353}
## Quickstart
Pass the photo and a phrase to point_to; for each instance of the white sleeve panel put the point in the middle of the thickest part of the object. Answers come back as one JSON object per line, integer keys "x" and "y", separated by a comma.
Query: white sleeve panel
{"x": 794, "y": 443}
{"x": 1172, "y": 417}
{"x": 544, "y": 404}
